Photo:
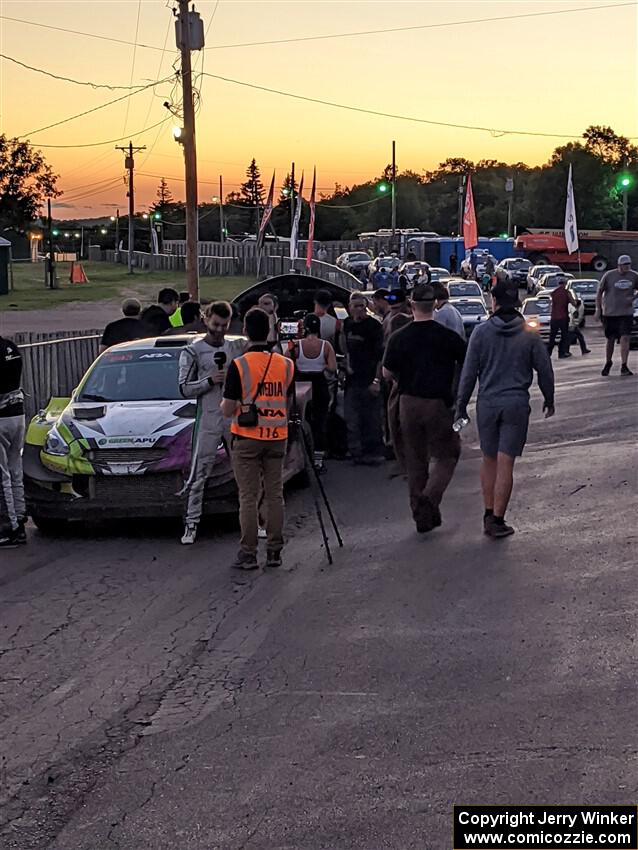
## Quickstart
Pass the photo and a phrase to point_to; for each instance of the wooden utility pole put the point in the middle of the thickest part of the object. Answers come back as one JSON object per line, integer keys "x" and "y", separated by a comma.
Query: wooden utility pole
{"x": 190, "y": 151}
{"x": 460, "y": 191}
{"x": 51, "y": 263}
{"x": 292, "y": 196}
{"x": 221, "y": 210}
{"x": 394, "y": 191}
{"x": 129, "y": 164}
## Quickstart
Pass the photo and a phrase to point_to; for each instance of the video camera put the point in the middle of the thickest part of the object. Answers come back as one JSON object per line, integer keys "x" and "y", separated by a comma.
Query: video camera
{"x": 291, "y": 328}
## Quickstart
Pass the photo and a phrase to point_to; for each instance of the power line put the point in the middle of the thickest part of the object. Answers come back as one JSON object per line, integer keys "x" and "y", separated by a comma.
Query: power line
{"x": 137, "y": 29}
{"x": 109, "y": 141}
{"x": 94, "y": 109}
{"x": 69, "y": 79}
{"x": 77, "y": 32}
{"x": 494, "y": 131}
{"x": 418, "y": 27}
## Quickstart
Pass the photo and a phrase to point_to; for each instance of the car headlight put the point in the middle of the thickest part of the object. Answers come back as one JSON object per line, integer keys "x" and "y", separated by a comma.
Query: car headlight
{"x": 55, "y": 444}
{"x": 532, "y": 323}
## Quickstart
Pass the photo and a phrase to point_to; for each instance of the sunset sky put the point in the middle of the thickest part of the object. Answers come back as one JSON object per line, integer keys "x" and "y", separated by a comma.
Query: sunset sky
{"x": 554, "y": 73}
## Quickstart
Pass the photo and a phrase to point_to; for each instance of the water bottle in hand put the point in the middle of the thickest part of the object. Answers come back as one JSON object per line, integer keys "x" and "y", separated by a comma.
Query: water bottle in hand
{"x": 460, "y": 423}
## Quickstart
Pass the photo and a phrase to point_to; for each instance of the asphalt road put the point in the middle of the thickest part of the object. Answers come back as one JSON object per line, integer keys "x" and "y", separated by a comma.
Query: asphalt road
{"x": 149, "y": 702}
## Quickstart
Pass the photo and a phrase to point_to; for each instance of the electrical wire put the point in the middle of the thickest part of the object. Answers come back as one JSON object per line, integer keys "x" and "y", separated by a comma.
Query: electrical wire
{"x": 108, "y": 141}
{"x": 89, "y": 111}
{"x": 420, "y": 26}
{"x": 78, "y": 32}
{"x": 137, "y": 29}
{"x": 494, "y": 131}
{"x": 69, "y": 79}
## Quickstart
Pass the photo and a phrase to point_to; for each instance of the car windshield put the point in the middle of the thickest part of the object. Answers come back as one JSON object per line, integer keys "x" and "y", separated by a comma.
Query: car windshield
{"x": 141, "y": 375}
{"x": 351, "y": 257}
{"x": 518, "y": 264}
{"x": 585, "y": 285}
{"x": 537, "y": 308}
{"x": 458, "y": 289}
{"x": 470, "y": 308}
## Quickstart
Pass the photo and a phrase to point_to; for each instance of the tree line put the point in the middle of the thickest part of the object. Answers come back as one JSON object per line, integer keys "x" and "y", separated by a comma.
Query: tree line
{"x": 605, "y": 165}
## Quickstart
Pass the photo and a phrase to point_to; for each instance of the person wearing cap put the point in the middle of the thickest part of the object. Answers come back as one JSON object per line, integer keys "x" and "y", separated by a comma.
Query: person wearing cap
{"x": 422, "y": 358}
{"x": 380, "y": 304}
{"x": 562, "y": 298}
{"x": 615, "y": 305}
{"x": 445, "y": 313}
{"x": 126, "y": 329}
{"x": 363, "y": 342}
{"x": 315, "y": 360}
{"x": 503, "y": 356}
{"x": 399, "y": 313}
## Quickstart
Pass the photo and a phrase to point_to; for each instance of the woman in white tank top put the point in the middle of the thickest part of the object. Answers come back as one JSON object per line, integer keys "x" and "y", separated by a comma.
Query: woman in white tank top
{"x": 314, "y": 359}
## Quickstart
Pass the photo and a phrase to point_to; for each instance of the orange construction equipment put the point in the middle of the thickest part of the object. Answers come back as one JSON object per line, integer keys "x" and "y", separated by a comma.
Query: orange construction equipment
{"x": 77, "y": 274}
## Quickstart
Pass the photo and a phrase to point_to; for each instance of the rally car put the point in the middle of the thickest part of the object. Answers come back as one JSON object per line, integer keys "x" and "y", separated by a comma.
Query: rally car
{"x": 120, "y": 447}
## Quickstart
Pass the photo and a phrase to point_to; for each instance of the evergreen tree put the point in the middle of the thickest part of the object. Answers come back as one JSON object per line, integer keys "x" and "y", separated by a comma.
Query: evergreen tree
{"x": 252, "y": 191}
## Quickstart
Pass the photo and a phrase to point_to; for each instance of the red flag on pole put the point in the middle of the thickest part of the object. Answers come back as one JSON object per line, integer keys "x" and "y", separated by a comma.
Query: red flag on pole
{"x": 311, "y": 226}
{"x": 267, "y": 213}
{"x": 470, "y": 232}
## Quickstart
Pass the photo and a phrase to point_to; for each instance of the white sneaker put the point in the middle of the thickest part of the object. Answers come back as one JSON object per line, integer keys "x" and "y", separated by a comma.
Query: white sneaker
{"x": 262, "y": 534}
{"x": 190, "y": 533}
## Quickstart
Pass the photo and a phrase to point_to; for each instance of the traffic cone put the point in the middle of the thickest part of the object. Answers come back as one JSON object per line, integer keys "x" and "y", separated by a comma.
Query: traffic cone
{"x": 77, "y": 274}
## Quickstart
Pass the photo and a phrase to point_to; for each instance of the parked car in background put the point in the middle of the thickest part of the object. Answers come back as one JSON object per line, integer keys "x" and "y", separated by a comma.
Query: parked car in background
{"x": 482, "y": 255}
{"x": 633, "y": 340}
{"x": 439, "y": 274}
{"x": 473, "y": 311}
{"x": 513, "y": 270}
{"x": 410, "y": 268}
{"x": 586, "y": 289}
{"x": 353, "y": 261}
{"x": 537, "y": 313}
{"x": 459, "y": 288}
{"x": 549, "y": 281}
{"x": 385, "y": 261}
{"x": 536, "y": 271}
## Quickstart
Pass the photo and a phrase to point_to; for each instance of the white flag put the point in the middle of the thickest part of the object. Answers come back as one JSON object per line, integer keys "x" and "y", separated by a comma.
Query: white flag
{"x": 294, "y": 235}
{"x": 571, "y": 229}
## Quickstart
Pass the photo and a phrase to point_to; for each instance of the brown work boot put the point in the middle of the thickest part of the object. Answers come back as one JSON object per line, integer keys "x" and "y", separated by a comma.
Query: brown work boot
{"x": 273, "y": 558}
{"x": 245, "y": 561}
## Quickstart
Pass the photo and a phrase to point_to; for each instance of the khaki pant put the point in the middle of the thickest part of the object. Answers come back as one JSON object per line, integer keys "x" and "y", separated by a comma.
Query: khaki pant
{"x": 426, "y": 428}
{"x": 394, "y": 425}
{"x": 257, "y": 464}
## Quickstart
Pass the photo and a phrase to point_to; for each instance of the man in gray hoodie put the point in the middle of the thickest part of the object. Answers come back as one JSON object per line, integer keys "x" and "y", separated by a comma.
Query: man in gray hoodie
{"x": 503, "y": 355}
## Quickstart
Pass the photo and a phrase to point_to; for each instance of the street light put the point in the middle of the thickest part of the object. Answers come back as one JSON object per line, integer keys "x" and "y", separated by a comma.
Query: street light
{"x": 382, "y": 187}
{"x": 624, "y": 184}
{"x": 104, "y": 231}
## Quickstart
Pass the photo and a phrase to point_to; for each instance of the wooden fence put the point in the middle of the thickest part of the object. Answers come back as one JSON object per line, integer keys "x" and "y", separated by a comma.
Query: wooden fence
{"x": 53, "y": 364}
{"x": 249, "y": 265}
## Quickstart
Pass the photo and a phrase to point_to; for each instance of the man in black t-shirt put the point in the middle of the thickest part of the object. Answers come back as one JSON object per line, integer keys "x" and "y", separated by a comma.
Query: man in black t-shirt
{"x": 422, "y": 358}
{"x": 363, "y": 337}
{"x": 12, "y": 507}
{"x": 126, "y": 329}
{"x": 156, "y": 318}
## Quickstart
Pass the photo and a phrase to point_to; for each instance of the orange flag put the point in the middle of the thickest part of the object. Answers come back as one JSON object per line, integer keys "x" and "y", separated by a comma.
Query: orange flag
{"x": 470, "y": 232}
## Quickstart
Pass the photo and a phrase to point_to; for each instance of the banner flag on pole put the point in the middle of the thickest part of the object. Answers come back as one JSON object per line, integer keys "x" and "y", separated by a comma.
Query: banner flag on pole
{"x": 267, "y": 214}
{"x": 470, "y": 231}
{"x": 294, "y": 233}
{"x": 311, "y": 226}
{"x": 571, "y": 229}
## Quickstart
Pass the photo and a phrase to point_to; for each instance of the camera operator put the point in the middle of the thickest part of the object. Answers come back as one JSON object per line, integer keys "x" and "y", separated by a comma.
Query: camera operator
{"x": 202, "y": 371}
{"x": 256, "y": 394}
{"x": 269, "y": 304}
{"x": 315, "y": 360}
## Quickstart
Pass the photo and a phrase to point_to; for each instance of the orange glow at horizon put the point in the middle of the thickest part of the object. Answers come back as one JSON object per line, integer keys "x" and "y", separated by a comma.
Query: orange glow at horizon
{"x": 552, "y": 74}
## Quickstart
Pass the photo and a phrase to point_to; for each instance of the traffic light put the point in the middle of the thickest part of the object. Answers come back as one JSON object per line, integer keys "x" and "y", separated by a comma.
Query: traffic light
{"x": 382, "y": 187}
{"x": 624, "y": 182}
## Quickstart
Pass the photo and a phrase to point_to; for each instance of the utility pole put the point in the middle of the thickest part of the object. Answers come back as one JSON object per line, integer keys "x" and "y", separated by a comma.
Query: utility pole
{"x": 51, "y": 265}
{"x": 394, "y": 191}
{"x": 221, "y": 210}
{"x": 509, "y": 188}
{"x": 117, "y": 236}
{"x": 129, "y": 164}
{"x": 185, "y": 21}
{"x": 459, "y": 231}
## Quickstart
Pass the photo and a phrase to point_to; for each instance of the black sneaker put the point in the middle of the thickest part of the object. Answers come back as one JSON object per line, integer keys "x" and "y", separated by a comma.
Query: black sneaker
{"x": 586, "y": 351}
{"x": 496, "y": 529}
{"x": 245, "y": 561}
{"x": 564, "y": 356}
{"x": 21, "y": 532}
{"x": 625, "y": 370}
{"x": 10, "y": 539}
{"x": 606, "y": 368}
{"x": 273, "y": 558}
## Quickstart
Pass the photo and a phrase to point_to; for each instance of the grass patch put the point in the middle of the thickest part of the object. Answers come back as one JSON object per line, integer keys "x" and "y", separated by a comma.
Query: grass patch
{"x": 106, "y": 282}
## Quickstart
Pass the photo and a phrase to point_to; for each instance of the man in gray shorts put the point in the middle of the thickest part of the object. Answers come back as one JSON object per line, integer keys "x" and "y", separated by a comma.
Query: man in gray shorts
{"x": 503, "y": 355}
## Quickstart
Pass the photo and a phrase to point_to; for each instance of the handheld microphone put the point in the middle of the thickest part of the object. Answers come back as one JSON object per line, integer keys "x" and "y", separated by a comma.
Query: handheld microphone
{"x": 220, "y": 359}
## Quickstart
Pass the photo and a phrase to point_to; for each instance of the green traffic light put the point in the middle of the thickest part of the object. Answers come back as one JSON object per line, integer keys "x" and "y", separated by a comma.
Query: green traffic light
{"x": 625, "y": 181}
{"x": 382, "y": 187}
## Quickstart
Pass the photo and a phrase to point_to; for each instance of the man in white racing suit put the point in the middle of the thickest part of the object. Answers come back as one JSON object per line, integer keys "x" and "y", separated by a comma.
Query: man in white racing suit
{"x": 202, "y": 372}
